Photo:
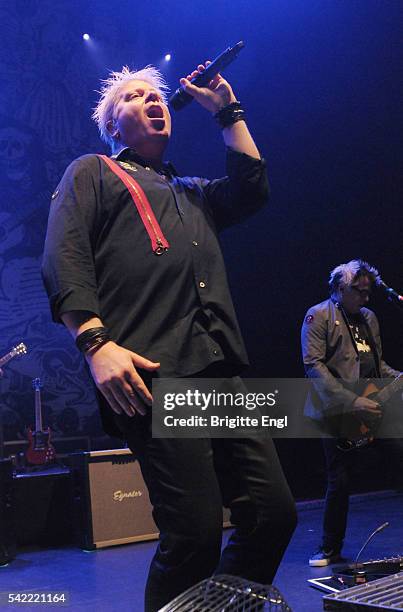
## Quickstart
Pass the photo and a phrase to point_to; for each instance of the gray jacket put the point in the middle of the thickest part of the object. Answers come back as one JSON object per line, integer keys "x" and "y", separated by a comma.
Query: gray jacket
{"x": 329, "y": 354}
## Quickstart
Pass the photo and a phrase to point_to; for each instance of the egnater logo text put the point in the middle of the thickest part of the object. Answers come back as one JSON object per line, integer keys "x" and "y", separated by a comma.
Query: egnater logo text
{"x": 121, "y": 495}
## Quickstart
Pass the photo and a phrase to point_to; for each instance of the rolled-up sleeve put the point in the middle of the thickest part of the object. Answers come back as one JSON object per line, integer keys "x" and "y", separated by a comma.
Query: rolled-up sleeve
{"x": 241, "y": 193}
{"x": 68, "y": 264}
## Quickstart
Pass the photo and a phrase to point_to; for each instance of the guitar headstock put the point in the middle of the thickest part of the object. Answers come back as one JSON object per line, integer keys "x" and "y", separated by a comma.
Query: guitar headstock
{"x": 20, "y": 349}
{"x": 37, "y": 384}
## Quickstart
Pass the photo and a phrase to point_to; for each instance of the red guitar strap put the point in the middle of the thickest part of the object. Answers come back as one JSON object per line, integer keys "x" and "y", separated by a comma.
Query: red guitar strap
{"x": 159, "y": 243}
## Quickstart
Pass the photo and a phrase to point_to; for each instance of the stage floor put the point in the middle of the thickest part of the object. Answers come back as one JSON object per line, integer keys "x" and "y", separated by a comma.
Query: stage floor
{"x": 113, "y": 579}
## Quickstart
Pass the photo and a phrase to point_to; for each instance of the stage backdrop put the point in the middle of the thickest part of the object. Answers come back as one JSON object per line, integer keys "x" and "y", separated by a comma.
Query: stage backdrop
{"x": 321, "y": 85}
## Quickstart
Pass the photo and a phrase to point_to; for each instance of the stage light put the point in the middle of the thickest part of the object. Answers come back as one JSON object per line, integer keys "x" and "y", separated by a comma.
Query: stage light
{"x": 86, "y": 36}
{"x": 168, "y": 57}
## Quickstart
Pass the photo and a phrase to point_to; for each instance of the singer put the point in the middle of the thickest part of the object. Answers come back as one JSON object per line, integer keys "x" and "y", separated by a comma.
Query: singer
{"x": 133, "y": 269}
{"x": 341, "y": 348}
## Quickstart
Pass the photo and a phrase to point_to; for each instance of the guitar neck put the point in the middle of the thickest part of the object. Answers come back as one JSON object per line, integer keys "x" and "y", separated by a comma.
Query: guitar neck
{"x": 393, "y": 387}
{"x": 20, "y": 349}
{"x": 7, "y": 357}
{"x": 38, "y": 410}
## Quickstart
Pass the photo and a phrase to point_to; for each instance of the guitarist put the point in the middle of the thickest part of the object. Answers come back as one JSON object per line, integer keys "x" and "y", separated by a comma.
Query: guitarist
{"x": 341, "y": 344}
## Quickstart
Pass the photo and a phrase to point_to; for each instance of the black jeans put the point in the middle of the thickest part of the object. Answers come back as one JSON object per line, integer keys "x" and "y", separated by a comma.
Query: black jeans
{"x": 189, "y": 480}
{"x": 339, "y": 465}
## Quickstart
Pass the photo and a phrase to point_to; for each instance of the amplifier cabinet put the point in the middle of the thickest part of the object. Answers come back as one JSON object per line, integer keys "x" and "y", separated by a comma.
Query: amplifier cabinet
{"x": 8, "y": 544}
{"x": 110, "y": 500}
{"x": 42, "y": 505}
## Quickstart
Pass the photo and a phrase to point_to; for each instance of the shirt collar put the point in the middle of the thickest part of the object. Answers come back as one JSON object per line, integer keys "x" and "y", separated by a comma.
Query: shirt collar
{"x": 128, "y": 154}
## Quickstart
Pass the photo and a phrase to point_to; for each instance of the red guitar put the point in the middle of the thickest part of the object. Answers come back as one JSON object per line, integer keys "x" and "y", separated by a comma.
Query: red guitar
{"x": 40, "y": 451}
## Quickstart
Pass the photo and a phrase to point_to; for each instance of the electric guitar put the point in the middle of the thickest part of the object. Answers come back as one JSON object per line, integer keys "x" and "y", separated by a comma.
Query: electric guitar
{"x": 358, "y": 432}
{"x": 20, "y": 349}
{"x": 39, "y": 451}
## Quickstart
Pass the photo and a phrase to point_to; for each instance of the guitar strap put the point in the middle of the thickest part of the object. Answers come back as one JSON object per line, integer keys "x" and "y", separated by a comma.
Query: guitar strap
{"x": 159, "y": 243}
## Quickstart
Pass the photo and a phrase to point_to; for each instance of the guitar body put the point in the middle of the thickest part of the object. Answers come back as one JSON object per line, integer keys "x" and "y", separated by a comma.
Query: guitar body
{"x": 356, "y": 431}
{"x": 40, "y": 451}
{"x": 370, "y": 390}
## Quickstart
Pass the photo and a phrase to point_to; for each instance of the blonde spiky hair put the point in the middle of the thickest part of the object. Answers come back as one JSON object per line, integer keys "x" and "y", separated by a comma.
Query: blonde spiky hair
{"x": 110, "y": 90}
{"x": 345, "y": 274}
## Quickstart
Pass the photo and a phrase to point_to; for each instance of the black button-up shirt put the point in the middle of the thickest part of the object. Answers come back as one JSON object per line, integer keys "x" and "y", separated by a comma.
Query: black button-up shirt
{"x": 174, "y": 308}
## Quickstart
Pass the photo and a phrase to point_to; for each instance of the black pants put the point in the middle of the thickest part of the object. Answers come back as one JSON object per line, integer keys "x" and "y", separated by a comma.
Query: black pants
{"x": 339, "y": 466}
{"x": 188, "y": 481}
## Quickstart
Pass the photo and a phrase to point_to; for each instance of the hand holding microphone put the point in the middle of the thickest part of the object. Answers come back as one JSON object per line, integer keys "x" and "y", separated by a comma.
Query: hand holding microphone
{"x": 214, "y": 95}
{"x": 214, "y": 92}
{"x": 207, "y": 86}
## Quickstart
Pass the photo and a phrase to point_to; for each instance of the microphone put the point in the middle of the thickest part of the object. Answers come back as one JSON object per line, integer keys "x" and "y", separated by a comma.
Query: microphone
{"x": 377, "y": 530}
{"x": 181, "y": 98}
{"x": 391, "y": 293}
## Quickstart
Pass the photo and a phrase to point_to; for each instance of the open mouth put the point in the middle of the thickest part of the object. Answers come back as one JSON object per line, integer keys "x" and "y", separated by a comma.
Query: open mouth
{"x": 155, "y": 112}
{"x": 156, "y": 115}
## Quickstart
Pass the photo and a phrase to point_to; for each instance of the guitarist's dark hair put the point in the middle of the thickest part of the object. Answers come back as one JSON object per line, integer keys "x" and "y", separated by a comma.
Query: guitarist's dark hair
{"x": 345, "y": 274}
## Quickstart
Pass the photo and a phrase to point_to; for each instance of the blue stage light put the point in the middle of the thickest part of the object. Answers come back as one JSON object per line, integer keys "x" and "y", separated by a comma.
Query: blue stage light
{"x": 168, "y": 57}
{"x": 86, "y": 36}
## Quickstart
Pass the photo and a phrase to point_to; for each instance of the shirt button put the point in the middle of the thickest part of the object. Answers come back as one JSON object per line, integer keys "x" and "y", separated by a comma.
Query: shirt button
{"x": 202, "y": 284}
{"x": 195, "y": 243}
{"x": 215, "y": 352}
{"x": 147, "y": 168}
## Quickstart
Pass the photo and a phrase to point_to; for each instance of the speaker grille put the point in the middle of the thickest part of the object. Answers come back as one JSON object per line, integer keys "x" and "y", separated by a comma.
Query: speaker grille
{"x": 120, "y": 506}
{"x": 111, "y": 500}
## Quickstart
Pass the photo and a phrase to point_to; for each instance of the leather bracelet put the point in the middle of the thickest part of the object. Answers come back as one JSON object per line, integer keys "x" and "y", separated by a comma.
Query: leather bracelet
{"x": 92, "y": 338}
{"x": 230, "y": 114}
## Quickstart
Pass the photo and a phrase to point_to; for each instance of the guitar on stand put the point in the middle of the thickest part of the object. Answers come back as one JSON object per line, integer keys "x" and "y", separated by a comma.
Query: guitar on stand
{"x": 20, "y": 349}
{"x": 40, "y": 451}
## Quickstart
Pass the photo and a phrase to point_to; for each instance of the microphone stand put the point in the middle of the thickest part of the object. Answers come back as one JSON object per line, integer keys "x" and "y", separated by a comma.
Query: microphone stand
{"x": 391, "y": 295}
{"x": 359, "y": 577}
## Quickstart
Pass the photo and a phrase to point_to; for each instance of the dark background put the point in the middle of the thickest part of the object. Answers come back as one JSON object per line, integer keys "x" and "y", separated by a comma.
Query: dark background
{"x": 321, "y": 84}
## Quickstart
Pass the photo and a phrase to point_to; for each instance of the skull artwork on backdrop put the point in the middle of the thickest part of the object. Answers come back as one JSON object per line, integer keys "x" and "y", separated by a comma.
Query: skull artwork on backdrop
{"x": 15, "y": 146}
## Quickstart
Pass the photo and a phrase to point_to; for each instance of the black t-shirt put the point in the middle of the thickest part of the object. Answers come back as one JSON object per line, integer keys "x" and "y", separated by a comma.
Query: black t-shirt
{"x": 359, "y": 332}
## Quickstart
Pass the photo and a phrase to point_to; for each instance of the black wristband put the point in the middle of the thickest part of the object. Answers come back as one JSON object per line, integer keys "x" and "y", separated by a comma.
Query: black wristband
{"x": 230, "y": 114}
{"x": 91, "y": 338}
